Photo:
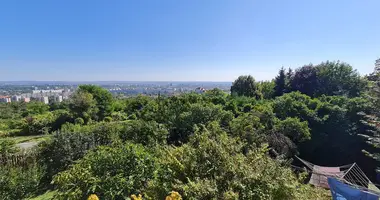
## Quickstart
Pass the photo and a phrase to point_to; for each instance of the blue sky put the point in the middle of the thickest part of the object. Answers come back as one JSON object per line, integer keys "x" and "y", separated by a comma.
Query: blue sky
{"x": 182, "y": 40}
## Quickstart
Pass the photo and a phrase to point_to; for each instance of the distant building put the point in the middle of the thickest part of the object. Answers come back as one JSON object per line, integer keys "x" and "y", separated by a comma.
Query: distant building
{"x": 45, "y": 100}
{"x": 65, "y": 97}
{"x": 200, "y": 90}
{"x": 56, "y": 98}
{"x": 16, "y": 98}
{"x": 5, "y": 99}
{"x": 25, "y": 99}
{"x": 46, "y": 91}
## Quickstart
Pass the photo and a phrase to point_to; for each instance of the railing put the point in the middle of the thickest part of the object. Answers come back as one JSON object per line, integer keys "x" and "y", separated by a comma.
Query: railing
{"x": 22, "y": 159}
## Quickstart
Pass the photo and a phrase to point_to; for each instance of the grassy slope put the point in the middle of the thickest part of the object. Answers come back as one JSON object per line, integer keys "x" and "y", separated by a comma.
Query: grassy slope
{"x": 33, "y": 138}
{"x": 47, "y": 196}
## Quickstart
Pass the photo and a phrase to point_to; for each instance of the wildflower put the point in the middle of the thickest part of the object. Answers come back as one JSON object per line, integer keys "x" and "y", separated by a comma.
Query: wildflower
{"x": 174, "y": 196}
{"x": 93, "y": 197}
{"x": 134, "y": 197}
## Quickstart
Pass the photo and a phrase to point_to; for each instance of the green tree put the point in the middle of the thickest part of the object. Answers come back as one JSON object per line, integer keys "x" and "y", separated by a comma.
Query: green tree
{"x": 373, "y": 116}
{"x": 39, "y": 124}
{"x": 280, "y": 83}
{"x": 328, "y": 78}
{"x": 267, "y": 89}
{"x": 20, "y": 182}
{"x": 36, "y": 107}
{"x": 109, "y": 172}
{"x": 334, "y": 126}
{"x": 293, "y": 128}
{"x": 137, "y": 105}
{"x": 374, "y": 76}
{"x": 338, "y": 78}
{"x": 246, "y": 86}
{"x": 7, "y": 147}
{"x": 248, "y": 128}
{"x": 212, "y": 166}
{"x": 216, "y": 96}
{"x": 295, "y": 104}
{"x": 183, "y": 126}
{"x": 15, "y": 110}
{"x": 72, "y": 142}
{"x": 148, "y": 133}
{"x": 289, "y": 78}
{"x": 305, "y": 80}
{"x": 83, "y": 105}
{"x": 103, "y": 98}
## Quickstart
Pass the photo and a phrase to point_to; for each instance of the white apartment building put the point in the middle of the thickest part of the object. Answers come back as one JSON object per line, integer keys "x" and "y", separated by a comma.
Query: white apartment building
{"x": 5, "y": 99}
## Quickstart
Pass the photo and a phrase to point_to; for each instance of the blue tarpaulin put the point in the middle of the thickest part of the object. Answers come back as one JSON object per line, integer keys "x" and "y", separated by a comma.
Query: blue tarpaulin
{"x": 341, "y": 191}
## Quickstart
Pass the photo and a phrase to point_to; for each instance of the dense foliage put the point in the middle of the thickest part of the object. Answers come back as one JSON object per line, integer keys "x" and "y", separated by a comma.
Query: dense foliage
{"x": 204, "y": 146}
{"x": 246, "y": 86}
{"x": 19, "y": 182}
{"x": 110, "y": 172}
{"x": 373, "y": 116}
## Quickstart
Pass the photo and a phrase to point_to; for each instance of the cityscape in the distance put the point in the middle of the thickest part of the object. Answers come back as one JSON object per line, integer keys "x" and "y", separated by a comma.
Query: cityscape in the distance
{"x": 57, "y": 91}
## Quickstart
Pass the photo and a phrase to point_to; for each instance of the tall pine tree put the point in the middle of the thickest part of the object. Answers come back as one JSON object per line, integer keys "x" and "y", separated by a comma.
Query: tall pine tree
{"x": 280, "y": 83}
{"x": 373, "y": 119}
{"x": 288, "y": 83}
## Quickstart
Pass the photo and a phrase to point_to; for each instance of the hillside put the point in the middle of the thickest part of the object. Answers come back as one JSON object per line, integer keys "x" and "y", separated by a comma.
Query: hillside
{"x": 210, "y": 145}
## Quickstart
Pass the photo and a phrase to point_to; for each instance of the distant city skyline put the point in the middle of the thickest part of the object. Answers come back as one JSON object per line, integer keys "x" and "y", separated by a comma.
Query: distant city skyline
{"x": 182, "y": 40}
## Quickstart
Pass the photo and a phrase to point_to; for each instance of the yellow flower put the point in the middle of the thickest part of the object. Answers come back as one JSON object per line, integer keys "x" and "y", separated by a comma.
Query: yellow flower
{"x": 174, "y": 196}
{"x": 134, "y": 197}
{"x": 93, "y": 197}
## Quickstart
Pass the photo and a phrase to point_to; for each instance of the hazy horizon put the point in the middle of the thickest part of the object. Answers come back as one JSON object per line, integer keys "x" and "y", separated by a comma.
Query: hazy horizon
{"x": 117, "y": 81}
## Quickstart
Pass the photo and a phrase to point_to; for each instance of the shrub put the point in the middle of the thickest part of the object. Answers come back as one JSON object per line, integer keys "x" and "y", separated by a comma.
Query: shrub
{"x": 61, "y": 117}
{"x": 73, "y": 142}
{"x": 108, "y": 119}
{"x": 119, "y": 116}
{"x": 19, "y": 182}
{"x": 38, "y": 124}
{"x": 198, "y": 114}
{"x": 212, "y": 166}
{"x": 144, "y": 132}
{"x": 79, "y": 121}
{"x": 110, "y": 173}
{"x": 7, "y": 147}
{"x": 293, "y": 128}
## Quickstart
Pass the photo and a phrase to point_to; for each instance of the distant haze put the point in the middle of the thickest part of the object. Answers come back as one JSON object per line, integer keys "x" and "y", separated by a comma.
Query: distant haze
{"x": 112, "y": 82}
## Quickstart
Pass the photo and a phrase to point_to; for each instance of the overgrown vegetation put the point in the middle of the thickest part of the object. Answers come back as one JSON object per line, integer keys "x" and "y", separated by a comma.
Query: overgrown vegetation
{"x": 203, "y": 146}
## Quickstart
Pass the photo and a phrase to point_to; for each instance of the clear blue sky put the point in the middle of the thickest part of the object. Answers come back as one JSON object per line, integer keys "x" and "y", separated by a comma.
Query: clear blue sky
{"x": 182, "y": 40}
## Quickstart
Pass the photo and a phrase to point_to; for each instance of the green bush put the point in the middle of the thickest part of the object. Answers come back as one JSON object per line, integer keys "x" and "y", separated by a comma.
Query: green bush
{"x": 110, "y": 173}
{"x": 62, "y": 150}
{"x": 144, "y": 132}
{"x": 79, "y": 121}
{"x": 119, "y": 116}
{"x": 61, "y": 117}
{"x": 212, "y": 166}
{"x": 108, "y": 119}
{"x": 72, "y": 142}
{"x": 7, "y": 147}
{"x": 293, "y": 128}
{"x": 39, "y": 124}
{"x": 183, "y": 126}
{"x": 19, "y": 182}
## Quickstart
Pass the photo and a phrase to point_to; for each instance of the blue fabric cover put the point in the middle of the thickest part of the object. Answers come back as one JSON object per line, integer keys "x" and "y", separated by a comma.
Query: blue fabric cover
{"x": 341, "y": 191}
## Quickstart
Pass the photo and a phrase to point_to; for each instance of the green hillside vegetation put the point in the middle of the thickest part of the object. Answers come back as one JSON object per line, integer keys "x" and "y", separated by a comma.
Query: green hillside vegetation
{"x": 204, "y": 146}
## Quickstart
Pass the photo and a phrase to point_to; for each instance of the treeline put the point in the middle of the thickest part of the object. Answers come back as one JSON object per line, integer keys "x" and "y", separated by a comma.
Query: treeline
{"x": 203, "y": 146}
{"x": 327, "y": 78}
